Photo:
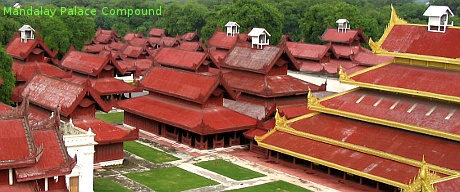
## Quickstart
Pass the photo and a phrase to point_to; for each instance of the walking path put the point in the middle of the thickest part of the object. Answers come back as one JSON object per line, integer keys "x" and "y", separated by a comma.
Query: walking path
{"x": 189, "y": 156}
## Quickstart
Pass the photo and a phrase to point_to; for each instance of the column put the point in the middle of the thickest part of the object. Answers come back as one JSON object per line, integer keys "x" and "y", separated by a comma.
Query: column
{"x": 10, "y": 176}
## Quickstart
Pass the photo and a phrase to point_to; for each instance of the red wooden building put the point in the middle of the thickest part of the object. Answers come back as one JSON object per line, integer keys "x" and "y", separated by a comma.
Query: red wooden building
{"x": 186, "y": 107}
{"x": 397, "y": 130}
{"x": 221, "y": 42}
{"x": 193, "y": 61}
{"x": 105, "y": 36}
{"x": 78, "y": 103}
{"x": 33, "y": 157}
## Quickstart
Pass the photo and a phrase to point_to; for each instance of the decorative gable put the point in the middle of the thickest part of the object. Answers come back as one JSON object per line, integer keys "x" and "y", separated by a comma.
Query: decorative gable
{"x": 343, "y": 25}
{"x": 232, "y": 28}
{"x": 259, "y": 37}
{"x": 438, "y": 18}
{"x": 27, "y": 32}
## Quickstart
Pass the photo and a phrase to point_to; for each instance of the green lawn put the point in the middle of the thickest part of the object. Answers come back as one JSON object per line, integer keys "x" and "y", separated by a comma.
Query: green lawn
{"x": 107, "y": 185}
{"x": 170, "y": 179}
{"x": 148, "y": 153}
{"x": 114, "y": 118}
{"x": 229, "y": 169}
{"x": 273, "y": 186}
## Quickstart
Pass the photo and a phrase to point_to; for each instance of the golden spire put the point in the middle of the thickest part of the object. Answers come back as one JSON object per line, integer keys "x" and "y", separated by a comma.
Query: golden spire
{"x": 280, "y": 121}
{"x": 424, "y": 180}
{"x": 342, "y": 75}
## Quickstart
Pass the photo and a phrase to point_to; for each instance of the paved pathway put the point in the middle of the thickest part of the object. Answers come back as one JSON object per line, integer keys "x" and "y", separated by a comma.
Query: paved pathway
{"x": 188, "y": 157}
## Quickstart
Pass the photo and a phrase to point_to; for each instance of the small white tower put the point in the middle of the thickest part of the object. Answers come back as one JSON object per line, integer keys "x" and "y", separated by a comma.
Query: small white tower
{"x": 27, "y": 32}
{"x": 259, "y": 37}
{"x": 342, "y": 25}
{"x": 232, "y": 28}
{"x": 438, "y": 18}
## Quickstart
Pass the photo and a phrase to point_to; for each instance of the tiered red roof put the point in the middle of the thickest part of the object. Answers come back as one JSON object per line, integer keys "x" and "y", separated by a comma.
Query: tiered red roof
{"x": 220, "y": 39}
{"x": 307, "y": 51}
{"x": 21, "y": 51}
{"x": 26, "y": 70}
{"x": 105, "y": 36}
{"x": 135, "y": 52}
{"x": 89, "y": 64}
{"x": 191, "y": 46}
{"x": 190, "y": 36}
{"x": 130, "y": 36}
{"x": 168, "y": 85}
{"x": 17, "y": 144}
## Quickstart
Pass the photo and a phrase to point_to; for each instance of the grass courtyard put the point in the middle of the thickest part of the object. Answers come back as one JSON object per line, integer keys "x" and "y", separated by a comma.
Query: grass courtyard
{"x": 229, "y": 169}
{"x": 279, "y": 186}
{"x": 170, "y": 179}
{"x": 107, "y": 185}
{"x": 148, "y": 153}
{"x": 113, "y": 118}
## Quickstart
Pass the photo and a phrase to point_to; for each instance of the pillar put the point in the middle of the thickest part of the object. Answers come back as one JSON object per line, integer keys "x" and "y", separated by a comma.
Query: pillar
{"x": 46, "y": 183}
{"x": 10, "y": 176}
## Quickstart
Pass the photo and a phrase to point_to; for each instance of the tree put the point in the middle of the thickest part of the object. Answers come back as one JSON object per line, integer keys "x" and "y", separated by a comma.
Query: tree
{"x": 6, "y": 73}
{"x": 8, "y": 26}
{"x": 248, "y": 14}
{"x": 82, "y": 29}
{"x": 182, "y": 18}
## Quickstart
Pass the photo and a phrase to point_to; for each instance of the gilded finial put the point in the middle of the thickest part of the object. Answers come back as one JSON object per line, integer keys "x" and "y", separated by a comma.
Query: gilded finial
{"x": 312, "y": 100}
{"x": 342, "y": 75}
{"x": 280, "y": 120}
{"x": 424, "y": 180}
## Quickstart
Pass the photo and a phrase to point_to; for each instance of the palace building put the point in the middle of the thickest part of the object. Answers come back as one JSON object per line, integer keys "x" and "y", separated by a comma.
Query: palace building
{"x": 398, "y": 128}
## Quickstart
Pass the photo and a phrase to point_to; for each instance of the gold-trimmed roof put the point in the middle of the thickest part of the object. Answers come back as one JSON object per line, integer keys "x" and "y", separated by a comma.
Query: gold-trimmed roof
{"x": 394, "y": 20}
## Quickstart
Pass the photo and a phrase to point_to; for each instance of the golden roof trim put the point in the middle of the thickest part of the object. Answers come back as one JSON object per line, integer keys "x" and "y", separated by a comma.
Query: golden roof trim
{"x": 394, "y": 20}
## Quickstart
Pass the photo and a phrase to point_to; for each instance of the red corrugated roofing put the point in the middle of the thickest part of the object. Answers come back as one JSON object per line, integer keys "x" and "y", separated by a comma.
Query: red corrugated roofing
{"x": 185, "y": 85}
{"x": 220, "y": 40}
{"x": 157, "y": 32}
{"x": 85, "y": 63}
{"x": 430, "y": 114}
{"x": 96, "y": 48}
{"x": 437, "y": 151}
{"x": 413, "y": 78}
{"x": 343, "y": 37}
{"x": 201, "y": 121}
{"x": 106, "y": 132}
{"x": 109, "y": 86}
{"x": 116, "y": 45}
{"x": 218, "y": 54}
{"x": 133, "y": 51}
{"x": 189, "y": 36}
{"x": 254, "y": 132}
{"x": 167, "y": 41}
{"x": 103, "y": 38}
{"x": 417, "y": 39}
{"x": 37, "y": 115}
{"x": 307, "y": 51}
{"x": 154, "y": 40}
{"x": 189, "y": 46}
{"x": 308, "y": 65}
{"x": 25, "y": 71}
{"x": 16, "y": 144}
{"x": 131, "y": 64}
{"x": 252, "y": 59}
{"x": 4, "y": 108}
{"x": 189, "y": 60}
{"x": 292, "y": 111}
{"x": 50, "y": 93}
{"x": 369, "y": 59}
{"x": 131, "y": 36}
{"x": 267, "y": 86}
{"x": 249, "y": 109}
{"x": 138, "y": 42}
{"x": 355, "y": 160}
{"x": 344, "y": 50}
{"x": 53, "y": 162}
{"x": 355, "y": 69}
{"x": 452, "y": 185}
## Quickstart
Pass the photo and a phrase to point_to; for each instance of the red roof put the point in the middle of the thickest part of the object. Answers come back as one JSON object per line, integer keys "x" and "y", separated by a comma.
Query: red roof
{"x": 343, "y": 37}
{"x": 105, "y": 132}
{"x": 413, "y": 78}
{"x": 437, "y": 151}
{"x": 20, "y": 50}
{"x": 157, "y": 32}
{"x": 54, "y": 160}
{"x": 154, "y": 40}
{"x": 104, "y": 36}
{"x": 267, "y": 86}
{"x": 131, "y": 64}
{"x": 95, "y": 48}
{"x": 450, "y": 185}
{"x": 252, "y": 110}
{"x": 351, "y": 159}
{"x": 16, "y": 144}
{"x": 116, "y": 45}
{"x": 218, "y": 54}
{"x": 429, "y": 114}
{"x": 168, "y": 41}
{"x": 344, "y": 50}
{"x": 190, "y": 36}
{"x": 24, "y": 71}
{"x": 134, "y": 51}
{"x": 20, "y": 187}
{"x": 416, "y": 39}
{"x": 190, "y": 46}
{"x": 201, "y": 121}
{"x": 4, "y": 108}
{"x": 138, "y": 42}
{"x": 251, "y": 59}
{"x": 185, "y": 85}
{"x": 292, "y": 111}
{"x": 369, "y": 59}
{"x": 189, "y": 60}
{"x": 50, "y": 93}
{"x": 220, "y": 40}
{"x": 86, "y": 63}
{"x": 109, "y": 86}
{"x": 307, "y": 51}
{"x": 131, "y": 36}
